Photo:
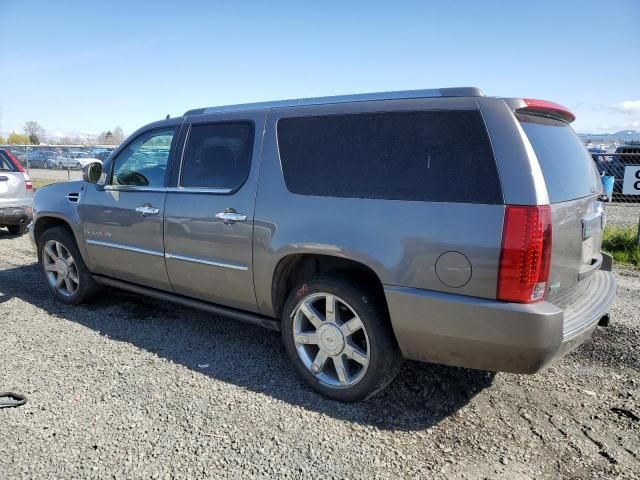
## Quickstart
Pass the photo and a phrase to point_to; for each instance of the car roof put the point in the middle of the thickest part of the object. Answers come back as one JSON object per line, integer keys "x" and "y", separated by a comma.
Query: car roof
{"x": 361, "y": 97}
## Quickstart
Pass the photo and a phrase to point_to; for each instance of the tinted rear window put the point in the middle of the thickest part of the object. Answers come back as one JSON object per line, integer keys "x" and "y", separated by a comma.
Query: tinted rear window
{"x": 437, "y": 156}
{"x": 567, "y": 167}
{"x": 6, "y": 164}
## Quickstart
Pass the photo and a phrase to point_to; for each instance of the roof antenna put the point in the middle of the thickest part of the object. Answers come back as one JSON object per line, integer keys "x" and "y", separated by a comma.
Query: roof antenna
{"x": 168, "y": 117}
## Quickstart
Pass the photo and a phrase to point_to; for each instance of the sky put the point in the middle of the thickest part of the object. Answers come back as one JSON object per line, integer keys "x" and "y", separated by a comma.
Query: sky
{"x": 82, "y": 67}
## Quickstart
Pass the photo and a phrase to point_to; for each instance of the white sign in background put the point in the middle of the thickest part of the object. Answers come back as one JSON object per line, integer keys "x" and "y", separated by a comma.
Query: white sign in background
{"x": 631, "y": 185}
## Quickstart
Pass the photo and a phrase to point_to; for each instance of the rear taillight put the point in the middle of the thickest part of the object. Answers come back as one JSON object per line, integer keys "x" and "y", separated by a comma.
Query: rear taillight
{"x": 525, "y": 257}
{"x": 27, "y": 182}
{"x": 14, "y": 160}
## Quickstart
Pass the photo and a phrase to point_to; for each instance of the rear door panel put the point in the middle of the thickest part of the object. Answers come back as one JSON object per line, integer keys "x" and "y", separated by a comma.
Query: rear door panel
{"x": 206, "y": 257}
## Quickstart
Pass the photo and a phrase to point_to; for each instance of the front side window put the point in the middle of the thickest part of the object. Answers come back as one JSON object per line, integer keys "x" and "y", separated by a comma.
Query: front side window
{"x": 143, "y": 163}
{"x": 218, "y": 155}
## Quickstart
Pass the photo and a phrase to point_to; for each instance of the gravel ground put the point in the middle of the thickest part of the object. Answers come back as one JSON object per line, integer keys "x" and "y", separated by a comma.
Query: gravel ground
{"x": 129, "y": 387}
{"x": 621, "y": 215}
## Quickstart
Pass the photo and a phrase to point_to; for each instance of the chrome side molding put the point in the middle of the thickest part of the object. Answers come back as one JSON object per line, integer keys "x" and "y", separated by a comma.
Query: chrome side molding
{"x": 120, "y": 246}
{"x": 214, "y": 263}
{"x": 203, "y": 261}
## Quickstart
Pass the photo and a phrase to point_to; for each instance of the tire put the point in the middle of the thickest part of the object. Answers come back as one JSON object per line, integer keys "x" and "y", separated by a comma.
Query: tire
{"x": 373, "y": 337}
{"x": 78, "y": 165}
{"x": 17, "y": 229}
{"x": 60, "y": 166}
{"x": 85, "y": 286}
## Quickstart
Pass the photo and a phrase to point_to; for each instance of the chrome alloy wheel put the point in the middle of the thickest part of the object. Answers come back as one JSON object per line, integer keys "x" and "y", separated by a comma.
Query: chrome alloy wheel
{"x": 60, "y": 268}
{"x": 331, "y": 340}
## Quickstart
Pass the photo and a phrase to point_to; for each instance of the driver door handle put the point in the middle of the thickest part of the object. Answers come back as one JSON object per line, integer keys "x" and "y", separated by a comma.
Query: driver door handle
{"x": 146, "y": 210}
{"x": 231, "y": 216}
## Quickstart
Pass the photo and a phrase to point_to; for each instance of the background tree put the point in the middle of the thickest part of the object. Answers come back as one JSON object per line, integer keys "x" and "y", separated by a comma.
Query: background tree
{"x": 2, "y": 140}
{"x": 34, "y": 131}
{"x": 17, "y": 139}
{"x": 118, "y": 135}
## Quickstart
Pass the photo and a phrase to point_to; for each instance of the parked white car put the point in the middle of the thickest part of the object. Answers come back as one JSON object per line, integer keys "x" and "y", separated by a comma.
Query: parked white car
{"x": 75, "y": 160}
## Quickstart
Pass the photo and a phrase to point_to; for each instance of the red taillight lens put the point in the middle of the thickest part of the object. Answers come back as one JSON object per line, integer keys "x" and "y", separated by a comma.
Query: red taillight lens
{"x": 14, "y": 160}
{"x": 525, "y": 257}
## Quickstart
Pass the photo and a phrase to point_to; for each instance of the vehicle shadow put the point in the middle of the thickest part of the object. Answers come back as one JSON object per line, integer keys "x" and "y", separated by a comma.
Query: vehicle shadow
{"x": 248, "y": 356}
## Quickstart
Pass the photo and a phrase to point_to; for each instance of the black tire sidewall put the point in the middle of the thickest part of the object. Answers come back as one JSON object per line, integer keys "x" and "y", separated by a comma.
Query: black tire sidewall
{"x": 384, "y": 355}
{"x": 87, "y": 285}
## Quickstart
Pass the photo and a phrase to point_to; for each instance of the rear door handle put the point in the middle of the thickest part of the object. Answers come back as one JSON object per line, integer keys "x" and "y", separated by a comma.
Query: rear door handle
{"x": 231, "y": 216}
{"x": 146, "y": 210}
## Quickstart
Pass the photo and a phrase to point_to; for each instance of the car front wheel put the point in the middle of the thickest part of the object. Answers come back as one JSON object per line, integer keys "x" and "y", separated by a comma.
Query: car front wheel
{"x": 339, "y": 339}
{"x": 63, "y": 267}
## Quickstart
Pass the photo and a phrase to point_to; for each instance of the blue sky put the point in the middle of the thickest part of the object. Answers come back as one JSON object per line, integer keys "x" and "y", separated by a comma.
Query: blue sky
{"x": 89, "y": 66}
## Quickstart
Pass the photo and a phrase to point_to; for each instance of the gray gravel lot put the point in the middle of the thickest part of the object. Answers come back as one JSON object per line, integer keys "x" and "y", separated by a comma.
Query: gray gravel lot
{"x": 623, "y": 215}
{"x": 116, "y": 390}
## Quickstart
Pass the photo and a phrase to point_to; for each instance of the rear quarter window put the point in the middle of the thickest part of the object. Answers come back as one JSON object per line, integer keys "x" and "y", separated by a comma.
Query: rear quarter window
{"x": 436, "y": 156}
{"x": 568, "y": 170}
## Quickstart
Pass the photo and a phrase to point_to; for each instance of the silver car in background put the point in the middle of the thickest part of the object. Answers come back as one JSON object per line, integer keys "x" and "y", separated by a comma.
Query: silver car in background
{"x": 434, "y": 225}
{"x": 75, "y": 159}
{"x": 16, "y": 195}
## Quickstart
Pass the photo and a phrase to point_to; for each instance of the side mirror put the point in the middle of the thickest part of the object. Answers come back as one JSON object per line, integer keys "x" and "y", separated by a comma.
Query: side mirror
{"x": 91, "y": 172}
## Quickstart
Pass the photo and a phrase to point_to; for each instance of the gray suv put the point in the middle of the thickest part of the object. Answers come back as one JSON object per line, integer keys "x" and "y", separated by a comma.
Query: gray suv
{"x": 435, "y": 225}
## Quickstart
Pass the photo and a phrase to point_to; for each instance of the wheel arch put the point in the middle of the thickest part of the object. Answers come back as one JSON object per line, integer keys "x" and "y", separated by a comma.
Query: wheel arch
{"x": 47, "y": 221}
{"x": 297, "y": 267}
{"x": 44, "y": 223}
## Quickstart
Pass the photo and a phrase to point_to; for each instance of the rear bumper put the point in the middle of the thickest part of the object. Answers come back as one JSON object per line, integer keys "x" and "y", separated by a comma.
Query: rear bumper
{"x": 491, "y": 335}
{"x": 15, "y": 215}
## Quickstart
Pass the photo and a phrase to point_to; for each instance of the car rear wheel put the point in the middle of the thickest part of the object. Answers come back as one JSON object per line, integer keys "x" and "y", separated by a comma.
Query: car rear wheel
{"x": 78, "y": 165}
{"x": 63, "y": 267}
{"x": 60, "y": 166}
{"x": 339, "y": 339}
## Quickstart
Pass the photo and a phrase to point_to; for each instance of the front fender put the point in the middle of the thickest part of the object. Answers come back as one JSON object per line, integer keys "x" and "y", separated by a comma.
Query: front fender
{"x": 51, "y": 206}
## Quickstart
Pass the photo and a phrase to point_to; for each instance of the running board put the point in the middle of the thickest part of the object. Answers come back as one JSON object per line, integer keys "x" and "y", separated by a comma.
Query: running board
{"x": 246, "y": 317}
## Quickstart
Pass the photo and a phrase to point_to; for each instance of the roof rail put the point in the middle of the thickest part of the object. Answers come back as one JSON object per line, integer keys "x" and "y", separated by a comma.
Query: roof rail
{"x": 361, "y": 97}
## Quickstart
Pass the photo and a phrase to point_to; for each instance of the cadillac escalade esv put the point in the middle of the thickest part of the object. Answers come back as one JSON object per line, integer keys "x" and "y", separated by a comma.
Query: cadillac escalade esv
{"x": 435, "y": 225}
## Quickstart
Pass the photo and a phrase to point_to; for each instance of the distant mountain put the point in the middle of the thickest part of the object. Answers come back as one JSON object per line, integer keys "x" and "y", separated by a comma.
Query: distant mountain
{"x": 622, "y": 136}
